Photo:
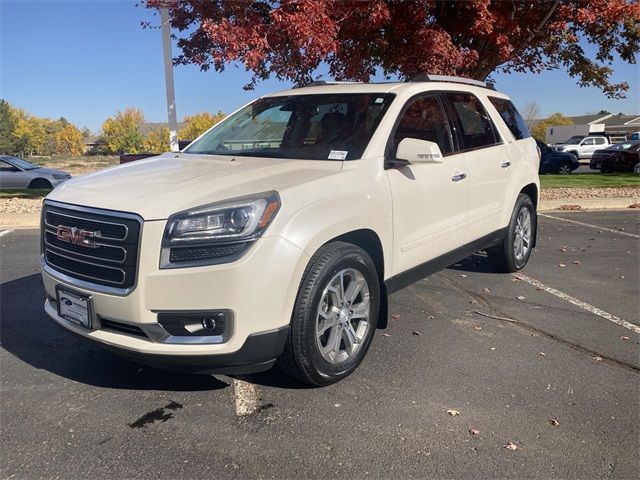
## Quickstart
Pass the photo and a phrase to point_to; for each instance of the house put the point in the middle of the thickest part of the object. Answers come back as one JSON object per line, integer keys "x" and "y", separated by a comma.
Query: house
{"x": 617, "y": 127}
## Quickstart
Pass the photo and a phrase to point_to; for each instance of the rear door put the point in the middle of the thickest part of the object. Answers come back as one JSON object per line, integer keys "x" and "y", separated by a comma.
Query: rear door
{"x": 490, "y": 172}
{"x": 429, "y": 199}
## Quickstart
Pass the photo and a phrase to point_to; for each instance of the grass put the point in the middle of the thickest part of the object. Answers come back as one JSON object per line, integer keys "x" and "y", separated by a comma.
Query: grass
{"x": 25, "y": 193}
{"x": 76, "y": 165}
{"x": 590, "y": 180}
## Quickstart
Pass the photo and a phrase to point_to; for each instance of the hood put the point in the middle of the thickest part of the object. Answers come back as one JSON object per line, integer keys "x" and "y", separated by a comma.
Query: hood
{"x": 160, "y": 186}
{"x": 49, "y": 171}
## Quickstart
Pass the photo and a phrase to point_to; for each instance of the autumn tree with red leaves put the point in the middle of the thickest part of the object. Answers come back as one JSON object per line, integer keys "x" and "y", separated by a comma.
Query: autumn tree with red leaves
{"x": 290, "y": 39}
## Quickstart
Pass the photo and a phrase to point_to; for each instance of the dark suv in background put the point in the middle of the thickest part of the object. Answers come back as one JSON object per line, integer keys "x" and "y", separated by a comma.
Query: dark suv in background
{"x": 552, "y": 161}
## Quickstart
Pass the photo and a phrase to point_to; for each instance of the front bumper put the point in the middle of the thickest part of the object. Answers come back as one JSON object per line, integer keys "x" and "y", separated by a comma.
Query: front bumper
{"x": 259, "y": 288}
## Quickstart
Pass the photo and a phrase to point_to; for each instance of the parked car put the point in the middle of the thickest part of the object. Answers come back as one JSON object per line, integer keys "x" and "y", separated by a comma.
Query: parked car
{"x": 552, "y": 161}
{"x": 621, "y": 157}
{"x": 634, "y": 136}
{"x": 279, "y": 233}
{"x": 18, "y": 173}
{"x": 582, "y": 146}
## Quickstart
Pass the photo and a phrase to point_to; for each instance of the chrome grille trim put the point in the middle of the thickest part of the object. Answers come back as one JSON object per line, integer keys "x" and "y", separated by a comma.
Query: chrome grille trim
{"x": 106, "y": 270}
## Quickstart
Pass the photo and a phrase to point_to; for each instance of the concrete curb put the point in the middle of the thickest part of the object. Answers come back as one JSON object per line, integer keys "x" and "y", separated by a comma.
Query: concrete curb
{"x": 32, "y": 220}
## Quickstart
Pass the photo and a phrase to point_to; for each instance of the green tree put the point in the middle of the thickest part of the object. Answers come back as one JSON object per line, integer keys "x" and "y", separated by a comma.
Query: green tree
{"x": 196, "y": 125}
{"x": 157, "y": 141}
{"x": 540, "y": 130}
{"x": 7, "y": 125}
{"x": 122, "y": 132}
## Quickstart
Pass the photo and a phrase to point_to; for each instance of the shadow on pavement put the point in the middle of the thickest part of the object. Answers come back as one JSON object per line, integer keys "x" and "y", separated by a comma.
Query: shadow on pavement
{"x": 27, "y": 333}
{"x": 475, "y": 263}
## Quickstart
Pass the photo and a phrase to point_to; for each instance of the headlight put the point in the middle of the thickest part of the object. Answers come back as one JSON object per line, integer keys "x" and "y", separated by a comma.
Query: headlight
{"x": 217, "y": 233}
{"x": 60, "y": 176}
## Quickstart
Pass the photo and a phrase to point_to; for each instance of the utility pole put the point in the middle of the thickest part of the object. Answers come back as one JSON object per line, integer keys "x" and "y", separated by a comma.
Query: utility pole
{"x": 168, "y": 78}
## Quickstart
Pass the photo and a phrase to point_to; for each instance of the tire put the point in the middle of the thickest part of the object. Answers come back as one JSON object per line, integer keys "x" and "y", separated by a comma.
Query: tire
{"x": 564, "y": 168}
{"x": 323, "y": 359}
{"x": 636, "y": 168}
{"x": 40, "y": 183}
{"x": 503, "y": 257}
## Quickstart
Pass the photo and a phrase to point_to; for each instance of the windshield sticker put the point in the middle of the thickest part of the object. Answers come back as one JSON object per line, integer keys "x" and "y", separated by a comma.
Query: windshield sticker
{"x": 337, "y": 155}
{"x": 379, "y": 100}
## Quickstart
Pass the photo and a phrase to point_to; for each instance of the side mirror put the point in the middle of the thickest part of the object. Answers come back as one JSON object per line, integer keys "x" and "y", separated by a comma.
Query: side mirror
{"x": 419, "y": 151}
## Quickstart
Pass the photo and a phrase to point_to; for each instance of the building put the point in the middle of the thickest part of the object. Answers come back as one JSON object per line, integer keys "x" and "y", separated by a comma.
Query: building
{"x": 617, "y": 127}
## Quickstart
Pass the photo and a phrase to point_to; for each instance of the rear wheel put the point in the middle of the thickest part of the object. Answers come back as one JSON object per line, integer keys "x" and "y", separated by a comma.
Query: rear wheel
{"x": 41, "y": 183}
{"x": 335, "y": 315}
{"x": 514, "y": 251}
{"x": 564, "y": 168}
{"x": 636, "y": 169}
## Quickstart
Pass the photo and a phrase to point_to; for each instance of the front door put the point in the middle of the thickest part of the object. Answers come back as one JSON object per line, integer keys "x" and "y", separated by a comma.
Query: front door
{"x": 429, "y": 199}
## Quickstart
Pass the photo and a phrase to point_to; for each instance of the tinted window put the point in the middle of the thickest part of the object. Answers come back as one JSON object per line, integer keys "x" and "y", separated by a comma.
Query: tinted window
{"x": 476, "y": 128}
{"x": 309, "y": 127}
{"x": 424, "y": 120}
{"x": 511, "y": 117}
{"x": 599, "y": 141}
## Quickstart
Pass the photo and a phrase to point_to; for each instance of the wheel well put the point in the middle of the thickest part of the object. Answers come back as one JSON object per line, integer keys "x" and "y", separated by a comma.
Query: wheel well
{"x": 369, "y": 241}
{"x": 39, "y": 182}
{"x": 532, "y": 191}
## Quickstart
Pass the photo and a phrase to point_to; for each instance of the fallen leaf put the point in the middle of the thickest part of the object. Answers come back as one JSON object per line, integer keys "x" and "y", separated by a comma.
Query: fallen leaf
{"x": 473, "y": 431}
{"x": 511, "y": 446}
{"x": 539, "y": 288}
{"x": 563, "y": 248}
{"x": 477, "y": 328}
{"x": 395, "y": 316}
{"x": 462, "y": 275}
{"x": 534, "y": 334}
{"x": 486, "y": 290}
{"x": 561, "y": 265}
{"x": 597, "y": 359}
{"x": 386, "y": 335}
{"x": 453, "y": 413}
{"x": 622, "y": 276}
{"x": 521, "y": 297}
{"x": 554, "y": 422}
{"x": 416, "y": 333}
{"x": 430, "y": 317}
{"x": 577, "y": 262}
{"x": 624, "y": 338}
{"x": 542, "y": 354}
{"x": 493, "y": 348}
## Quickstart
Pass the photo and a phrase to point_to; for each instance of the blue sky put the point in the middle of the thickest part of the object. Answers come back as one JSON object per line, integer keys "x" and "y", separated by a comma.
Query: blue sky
{"x": 85, "y": 59}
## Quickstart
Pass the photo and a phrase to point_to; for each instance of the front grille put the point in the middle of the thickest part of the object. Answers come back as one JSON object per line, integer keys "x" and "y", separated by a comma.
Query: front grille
{"x": 112, "y": 258}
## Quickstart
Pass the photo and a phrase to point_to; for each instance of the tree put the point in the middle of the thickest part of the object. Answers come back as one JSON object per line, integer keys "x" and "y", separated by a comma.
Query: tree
{"x": 196, "y": 125}
{"x": 157, "y": 141}
{"x": 540, "y": 130}
{"x": 292, "y": 38}
{"x": 7, "y": 125}
{"x": 122, "y": 132}
{"x": 69, "y": 141}
{"x": 530, "y": 114}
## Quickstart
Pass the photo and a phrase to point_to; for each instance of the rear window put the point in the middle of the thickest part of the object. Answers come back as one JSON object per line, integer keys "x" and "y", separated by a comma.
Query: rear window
{"x": 511, "y": 117}
{"x": 477, "y": 129}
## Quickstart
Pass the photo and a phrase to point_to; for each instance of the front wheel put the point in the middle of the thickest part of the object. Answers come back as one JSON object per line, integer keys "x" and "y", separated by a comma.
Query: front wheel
{"x": 513, "y": 253}
{"x": 564, "y": 168}
{"x": 334, "y": 317}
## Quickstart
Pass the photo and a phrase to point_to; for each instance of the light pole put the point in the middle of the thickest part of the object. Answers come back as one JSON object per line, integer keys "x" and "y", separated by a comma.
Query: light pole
{"x": 168, "y": 76}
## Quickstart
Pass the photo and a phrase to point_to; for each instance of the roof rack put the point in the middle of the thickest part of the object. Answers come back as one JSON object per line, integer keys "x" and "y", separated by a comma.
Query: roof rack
{"x": 423, "y": 77}
{"x": 318, "y": 83}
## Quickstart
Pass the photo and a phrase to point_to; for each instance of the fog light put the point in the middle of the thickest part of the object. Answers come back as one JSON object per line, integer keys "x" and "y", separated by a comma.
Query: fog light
{"x": 209, "y": 323}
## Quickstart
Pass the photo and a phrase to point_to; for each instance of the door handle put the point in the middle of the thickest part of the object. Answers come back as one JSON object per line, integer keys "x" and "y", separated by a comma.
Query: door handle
{"x": 505, "y": 164}
{"x": 459, "y": 176}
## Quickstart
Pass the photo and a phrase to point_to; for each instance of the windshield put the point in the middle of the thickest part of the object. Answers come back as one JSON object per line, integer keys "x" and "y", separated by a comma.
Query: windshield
{"x": 309, "y": 127}
{"x": 20, "y": 163}
{"x": 574, "y": 139}
{"x": 632, "y": 145}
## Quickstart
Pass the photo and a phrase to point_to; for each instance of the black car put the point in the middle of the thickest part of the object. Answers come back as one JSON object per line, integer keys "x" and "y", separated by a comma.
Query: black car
{"x": 552, "y": 161}
{"x": 621, "y": 157}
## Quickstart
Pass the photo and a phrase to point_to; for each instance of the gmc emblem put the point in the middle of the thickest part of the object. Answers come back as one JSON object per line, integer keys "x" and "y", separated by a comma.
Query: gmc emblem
{"x": 76, "y": 236}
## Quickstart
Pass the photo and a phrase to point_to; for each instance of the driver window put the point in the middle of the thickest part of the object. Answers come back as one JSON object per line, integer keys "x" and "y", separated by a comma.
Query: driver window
{"x": 7, "y": 167}
{"x": 424, "y": 120}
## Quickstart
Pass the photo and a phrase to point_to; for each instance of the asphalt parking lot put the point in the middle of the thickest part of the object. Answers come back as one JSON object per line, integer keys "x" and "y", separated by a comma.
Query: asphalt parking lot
{"x": 547, "y": 362}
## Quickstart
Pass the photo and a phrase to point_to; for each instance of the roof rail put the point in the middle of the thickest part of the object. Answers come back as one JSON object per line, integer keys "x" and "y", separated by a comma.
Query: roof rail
{"x": 423, "y": 77}
{"x": 318, "y": 83}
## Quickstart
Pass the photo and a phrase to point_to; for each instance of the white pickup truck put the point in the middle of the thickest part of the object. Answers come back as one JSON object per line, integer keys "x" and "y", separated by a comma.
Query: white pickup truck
{"x": 583, "y": 146}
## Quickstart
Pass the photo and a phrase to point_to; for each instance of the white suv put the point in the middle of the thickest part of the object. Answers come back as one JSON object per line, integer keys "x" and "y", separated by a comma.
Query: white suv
{"x": 277, "y": 235}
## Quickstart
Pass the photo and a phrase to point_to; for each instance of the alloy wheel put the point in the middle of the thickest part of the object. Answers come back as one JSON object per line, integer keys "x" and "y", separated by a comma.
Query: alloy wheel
{"x": 522, "y": 237}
